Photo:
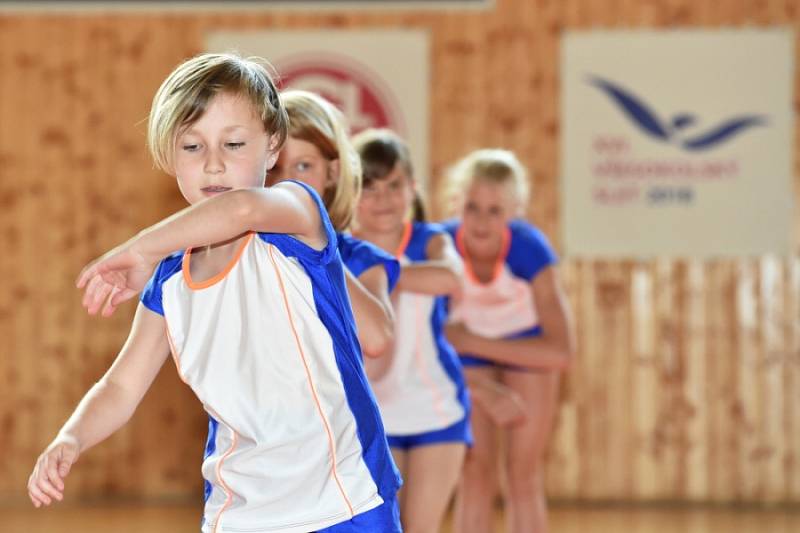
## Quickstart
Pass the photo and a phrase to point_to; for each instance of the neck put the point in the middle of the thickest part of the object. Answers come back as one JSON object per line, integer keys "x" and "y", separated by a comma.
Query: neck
{"x": 388, "y": 241}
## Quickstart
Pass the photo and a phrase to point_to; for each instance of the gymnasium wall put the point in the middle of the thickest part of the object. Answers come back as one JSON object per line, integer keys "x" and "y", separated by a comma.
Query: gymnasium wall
{"x": 687, "y": 384}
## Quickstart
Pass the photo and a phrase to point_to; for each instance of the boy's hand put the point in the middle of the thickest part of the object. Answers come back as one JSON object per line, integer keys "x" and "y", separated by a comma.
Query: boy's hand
{"x": 46, "y": 482}
{"x": 114, "y": 278}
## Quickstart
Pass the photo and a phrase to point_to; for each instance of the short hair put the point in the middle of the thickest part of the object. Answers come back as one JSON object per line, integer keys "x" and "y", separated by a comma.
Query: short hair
{"x": 381, "y": 150}
{"x": 489, "y": 165}
{"x": 315, "y": 120}
{"x": 185, "y": 95}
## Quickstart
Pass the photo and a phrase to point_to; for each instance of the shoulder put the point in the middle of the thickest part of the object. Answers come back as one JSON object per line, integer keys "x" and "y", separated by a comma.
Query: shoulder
{"x": 359, "y": 256}
{"x": 529, "y": 250}
{"x": 451, "y": 226}
{"x": 424, "y": 234}
{"x": 152, "y": 294}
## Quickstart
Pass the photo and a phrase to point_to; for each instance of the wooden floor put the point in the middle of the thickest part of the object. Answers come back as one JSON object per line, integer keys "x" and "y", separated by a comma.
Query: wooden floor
{"x": 564, "y": 519}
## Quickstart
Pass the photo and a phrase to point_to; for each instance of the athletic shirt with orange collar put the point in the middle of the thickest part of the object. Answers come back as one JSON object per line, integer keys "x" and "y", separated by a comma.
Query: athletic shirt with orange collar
{"x": 423, "y": 388}
{"x": 502, "y": 307}
{"x": 269, "y": 346}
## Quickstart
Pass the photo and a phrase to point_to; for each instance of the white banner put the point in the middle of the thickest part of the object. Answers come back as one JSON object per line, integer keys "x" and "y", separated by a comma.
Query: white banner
{"x": 377, "y": 78}
{"x": 677, "y": 143}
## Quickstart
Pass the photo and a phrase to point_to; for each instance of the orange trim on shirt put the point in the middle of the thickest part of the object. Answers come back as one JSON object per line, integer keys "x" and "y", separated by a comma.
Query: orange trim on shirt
{"x": 225, "y": 487}
{"x": 401, "y": 248}
{"x": 175, "y": 356}
{"x": 195, "y": 285}
{"x": 331, "y": 442}
{"x": 498, "y": 264}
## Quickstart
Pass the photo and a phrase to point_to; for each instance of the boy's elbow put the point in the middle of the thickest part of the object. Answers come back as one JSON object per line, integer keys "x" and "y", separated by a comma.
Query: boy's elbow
{"x": 378, "y": 345}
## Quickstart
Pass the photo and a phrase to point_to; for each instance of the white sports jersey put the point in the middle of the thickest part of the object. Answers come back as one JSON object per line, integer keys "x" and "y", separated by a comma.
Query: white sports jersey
{"x": 269, "y": 347}
{"x": 423, "y": 387}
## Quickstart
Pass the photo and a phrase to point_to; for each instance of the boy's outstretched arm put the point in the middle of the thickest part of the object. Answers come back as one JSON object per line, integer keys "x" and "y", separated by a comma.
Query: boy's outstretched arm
{"x": 105, "y": 408}
{"x": 124, "y": 271}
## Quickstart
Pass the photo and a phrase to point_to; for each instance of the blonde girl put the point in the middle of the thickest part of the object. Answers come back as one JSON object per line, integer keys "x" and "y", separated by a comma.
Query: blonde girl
{"x": 510, "y": 324}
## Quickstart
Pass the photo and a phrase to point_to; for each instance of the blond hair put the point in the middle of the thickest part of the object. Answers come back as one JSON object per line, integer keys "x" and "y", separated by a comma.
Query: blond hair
{"x": 187, "y": 92}
{"x": 315, "y": 120}
{"x": 489, "y": 165}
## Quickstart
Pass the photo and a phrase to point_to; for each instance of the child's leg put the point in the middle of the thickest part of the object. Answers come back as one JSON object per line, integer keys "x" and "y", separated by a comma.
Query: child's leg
{"x": 476, "y": 492}
{"x": 400, "y": 457}
{"x": 526, "y": 445}
{"x": 433, "y": 471}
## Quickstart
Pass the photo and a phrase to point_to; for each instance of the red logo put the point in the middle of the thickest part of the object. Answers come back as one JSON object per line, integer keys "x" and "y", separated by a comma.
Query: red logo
{"x": 358, "y": 92}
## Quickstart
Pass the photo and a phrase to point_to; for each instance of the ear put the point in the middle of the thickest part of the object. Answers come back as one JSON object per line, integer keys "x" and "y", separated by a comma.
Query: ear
{"x": 333, "y": 173}
{"x": 272, "y": 157}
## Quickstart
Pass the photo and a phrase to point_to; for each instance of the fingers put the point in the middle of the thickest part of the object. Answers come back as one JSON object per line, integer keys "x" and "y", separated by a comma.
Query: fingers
{"x": 45, "y": 483}
{"x": 123, "y": 295}
{"x": 86, "y": 274}
{"x": 99, "y": 296}
{"x": 91, "y": 287}
{"x": 109, "y": 307}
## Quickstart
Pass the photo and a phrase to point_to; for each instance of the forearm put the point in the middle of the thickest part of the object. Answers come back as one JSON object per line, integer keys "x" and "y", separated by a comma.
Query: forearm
{"x": 374, "y": 320}
{"x": 536, "y": 353}
{"x": 215, "y": 220}
{"x": 102, "y": 411}
{"x": 430, "y": 277}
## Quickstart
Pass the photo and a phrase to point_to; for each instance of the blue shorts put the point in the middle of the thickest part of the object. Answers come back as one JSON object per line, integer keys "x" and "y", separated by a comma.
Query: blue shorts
{"x": 458, "y": 432}
{"x": 384, "y": 518}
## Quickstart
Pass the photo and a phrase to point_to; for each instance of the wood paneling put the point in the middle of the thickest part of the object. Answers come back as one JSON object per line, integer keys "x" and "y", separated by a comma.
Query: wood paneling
{"x": 688, "y": 380}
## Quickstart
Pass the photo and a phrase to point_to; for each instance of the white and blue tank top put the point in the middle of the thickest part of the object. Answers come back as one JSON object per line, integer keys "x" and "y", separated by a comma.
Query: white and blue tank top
{"x": 269, "y": 346}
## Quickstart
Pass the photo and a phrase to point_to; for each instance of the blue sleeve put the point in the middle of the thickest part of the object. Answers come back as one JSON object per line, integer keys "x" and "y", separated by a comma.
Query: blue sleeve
{"x": 530, "y": 250}
{"x": 422, "y": 233}
{"x": 359, "y": 256}
{"x": 291, "y": 247}
{"x": 451, "y": 226}
{"x": 151, "y": 295}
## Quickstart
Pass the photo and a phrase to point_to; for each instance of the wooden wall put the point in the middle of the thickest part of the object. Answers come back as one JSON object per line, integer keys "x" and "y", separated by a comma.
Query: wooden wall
{"x": 688, "y": 380}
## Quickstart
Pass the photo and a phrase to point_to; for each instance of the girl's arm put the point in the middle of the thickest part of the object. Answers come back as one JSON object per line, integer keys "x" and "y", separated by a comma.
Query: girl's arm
{"x": 123, "y": 272}
{"x": 107, "y": 406}
{"x": 553, "y": 350}
{"x": 369, "y": 295}
{"x": 439, "y": 275}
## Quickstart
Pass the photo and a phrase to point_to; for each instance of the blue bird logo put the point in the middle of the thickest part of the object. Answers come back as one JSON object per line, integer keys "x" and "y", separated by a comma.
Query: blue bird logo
{"x": 673, "y": 131}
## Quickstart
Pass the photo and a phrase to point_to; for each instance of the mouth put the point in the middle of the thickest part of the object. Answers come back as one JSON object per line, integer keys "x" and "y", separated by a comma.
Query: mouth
{"x": 214, "y": 189}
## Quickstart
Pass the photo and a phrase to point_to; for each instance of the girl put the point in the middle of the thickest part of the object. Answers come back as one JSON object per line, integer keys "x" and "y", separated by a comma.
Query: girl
{"x": 319, "y": 152}
{"x": 420, "y": 387}
{"x": 510, "y": 324}
{"x": 255, "y": 313}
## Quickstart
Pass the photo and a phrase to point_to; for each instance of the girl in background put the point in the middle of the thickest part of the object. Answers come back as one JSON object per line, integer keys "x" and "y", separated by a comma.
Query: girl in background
{"x": 420, "y": 386}
{"x": 318, "y": 152}
{"x": 510, "y": 324}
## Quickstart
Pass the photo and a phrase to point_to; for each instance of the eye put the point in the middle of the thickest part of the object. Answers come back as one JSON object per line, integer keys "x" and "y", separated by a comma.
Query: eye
{"x": 302, "y": 166}
{"x": 191, "y": 147}
{"x": 234, "y": 146}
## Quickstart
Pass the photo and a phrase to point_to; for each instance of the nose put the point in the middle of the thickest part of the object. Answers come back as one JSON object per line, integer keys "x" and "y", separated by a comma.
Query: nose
{"x": 214, "y": 163}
